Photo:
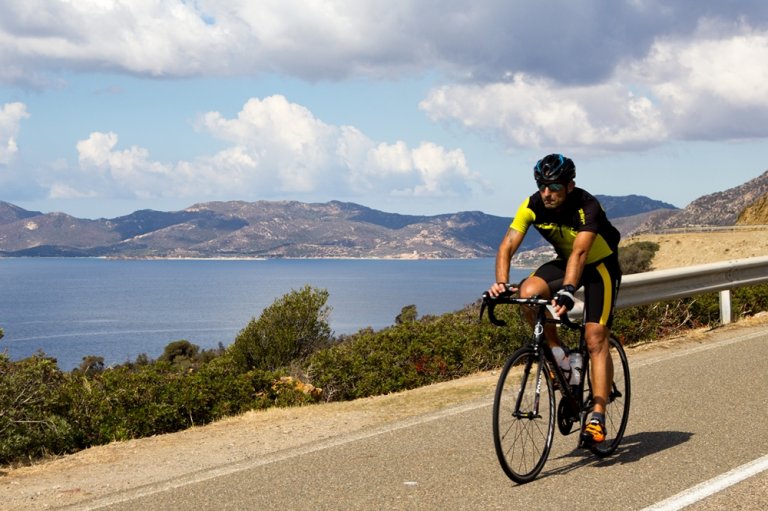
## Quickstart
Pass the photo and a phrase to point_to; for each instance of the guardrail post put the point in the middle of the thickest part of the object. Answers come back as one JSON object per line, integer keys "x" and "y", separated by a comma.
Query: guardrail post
{"x": 725, "y": 306}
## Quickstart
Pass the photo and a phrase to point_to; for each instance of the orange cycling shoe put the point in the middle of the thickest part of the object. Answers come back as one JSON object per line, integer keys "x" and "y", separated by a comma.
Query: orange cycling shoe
{"x": 594, "y": 432}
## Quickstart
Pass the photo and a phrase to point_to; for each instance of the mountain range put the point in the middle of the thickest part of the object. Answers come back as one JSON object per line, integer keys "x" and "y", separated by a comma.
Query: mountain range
{"x": 276, "y": 229}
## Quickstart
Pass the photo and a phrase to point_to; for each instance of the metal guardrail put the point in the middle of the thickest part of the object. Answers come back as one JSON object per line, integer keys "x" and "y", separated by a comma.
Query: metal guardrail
{"x": 673, "y": 283}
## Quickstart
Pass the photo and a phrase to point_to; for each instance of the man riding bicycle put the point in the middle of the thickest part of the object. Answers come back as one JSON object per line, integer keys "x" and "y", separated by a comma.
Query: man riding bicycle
{"x": 586, "y": 244}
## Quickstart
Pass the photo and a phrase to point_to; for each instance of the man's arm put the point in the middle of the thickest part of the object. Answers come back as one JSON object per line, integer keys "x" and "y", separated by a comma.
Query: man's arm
{"x": 509, "y": 245}
{"x": 578, "y": 258}
{"x": 576, "y": 262}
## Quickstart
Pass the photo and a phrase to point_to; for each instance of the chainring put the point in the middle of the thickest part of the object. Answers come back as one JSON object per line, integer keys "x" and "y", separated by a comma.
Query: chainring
{"x": 565, "y": 417}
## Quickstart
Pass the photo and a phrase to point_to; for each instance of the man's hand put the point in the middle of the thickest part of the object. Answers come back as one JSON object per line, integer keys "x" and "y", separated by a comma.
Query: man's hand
{"x": 564, "y": 300}
{"x": 499, "y": 288}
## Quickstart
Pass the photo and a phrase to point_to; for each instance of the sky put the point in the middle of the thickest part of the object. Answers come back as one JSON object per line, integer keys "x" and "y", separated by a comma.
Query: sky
{"x": 407, "y": 106}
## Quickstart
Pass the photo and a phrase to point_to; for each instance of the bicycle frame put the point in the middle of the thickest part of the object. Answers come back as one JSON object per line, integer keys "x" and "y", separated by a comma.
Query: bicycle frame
{"x": 572, "y": 394}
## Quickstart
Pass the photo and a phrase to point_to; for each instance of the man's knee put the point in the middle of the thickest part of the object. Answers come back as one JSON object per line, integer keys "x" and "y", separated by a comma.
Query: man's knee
{"x": 534, "y": 286}
{"x": 596, "y": 336}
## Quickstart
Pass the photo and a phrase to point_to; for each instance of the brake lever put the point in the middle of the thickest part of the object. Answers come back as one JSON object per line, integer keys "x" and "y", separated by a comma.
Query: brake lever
{"x": 490, "y": 302}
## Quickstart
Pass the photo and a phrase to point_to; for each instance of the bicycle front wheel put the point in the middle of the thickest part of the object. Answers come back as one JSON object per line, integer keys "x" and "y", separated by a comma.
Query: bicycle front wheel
{"x": 523, "y": 415}
{"x": 617, "y": 408}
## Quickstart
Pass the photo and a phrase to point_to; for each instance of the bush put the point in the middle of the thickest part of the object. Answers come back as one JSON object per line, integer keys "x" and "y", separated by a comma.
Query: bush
{"x": 637, "y": 257}
{"x": 412, "y": 354}
{"x": 91, "y": 365}
{"x": 33, "y": 419}
{"x": 408, "y": 314}
{"x": 664, "y": 319}
{"x": 750, "y": 300}
{"x": 288, "y": 331}
{"x": 179, "y": 352}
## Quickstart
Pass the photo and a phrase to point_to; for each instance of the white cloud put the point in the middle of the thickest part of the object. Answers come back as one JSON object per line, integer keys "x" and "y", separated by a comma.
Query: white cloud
{"x": 533, "y": 112}
{"x": 173, "y": 38}
{"x": 710, "y": 87}
{"x": 11, "y": 116}
{"x": 692, "y": 89}
{"x": 129, "y": 173}
{"x": 154, "y": 37}
{"x": 617, "y": 75}
{"x": 442, "y": 172}
{"x": 321, "y": 39}
{"x": 276, "y": 147}
{"x": 97, "y": 149}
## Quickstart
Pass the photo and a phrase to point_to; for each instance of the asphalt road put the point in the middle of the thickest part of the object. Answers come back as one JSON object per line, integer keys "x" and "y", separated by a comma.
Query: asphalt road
{"x": 696, "y": 414}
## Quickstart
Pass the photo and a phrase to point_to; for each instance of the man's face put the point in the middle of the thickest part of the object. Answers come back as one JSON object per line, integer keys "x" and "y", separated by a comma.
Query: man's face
{"x": 553, "y": 194}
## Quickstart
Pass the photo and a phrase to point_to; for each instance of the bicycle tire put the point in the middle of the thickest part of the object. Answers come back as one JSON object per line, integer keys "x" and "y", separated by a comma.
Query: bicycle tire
{"x": 523, "y": 439}
{"x": 617, "y": 408}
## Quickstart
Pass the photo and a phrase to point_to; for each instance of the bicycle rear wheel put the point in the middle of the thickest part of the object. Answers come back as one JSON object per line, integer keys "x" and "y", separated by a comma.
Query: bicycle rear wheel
{"x": 523, "y": 415}
{"x": 617, "y": 408}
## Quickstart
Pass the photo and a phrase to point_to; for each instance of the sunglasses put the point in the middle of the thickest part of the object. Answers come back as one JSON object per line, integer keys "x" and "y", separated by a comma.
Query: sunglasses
{"x": 553, "y": 187}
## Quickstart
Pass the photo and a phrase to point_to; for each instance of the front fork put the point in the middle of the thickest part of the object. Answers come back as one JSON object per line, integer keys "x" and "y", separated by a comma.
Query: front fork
{"x": 539, "y": 379}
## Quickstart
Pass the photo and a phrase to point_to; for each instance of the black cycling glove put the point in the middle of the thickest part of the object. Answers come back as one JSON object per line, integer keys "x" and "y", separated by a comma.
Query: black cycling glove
{"x": 564, "y": 297}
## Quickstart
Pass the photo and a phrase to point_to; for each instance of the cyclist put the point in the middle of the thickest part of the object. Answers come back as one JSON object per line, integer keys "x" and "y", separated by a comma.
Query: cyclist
{"x": 586, "y": 244}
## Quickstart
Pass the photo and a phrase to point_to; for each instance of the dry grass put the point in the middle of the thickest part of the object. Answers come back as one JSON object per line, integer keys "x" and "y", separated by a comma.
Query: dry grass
{"x": 687, "y": 249}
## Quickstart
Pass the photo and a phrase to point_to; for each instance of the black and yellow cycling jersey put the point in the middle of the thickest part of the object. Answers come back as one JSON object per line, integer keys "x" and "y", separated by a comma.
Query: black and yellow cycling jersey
{"x": 580, "y": 212}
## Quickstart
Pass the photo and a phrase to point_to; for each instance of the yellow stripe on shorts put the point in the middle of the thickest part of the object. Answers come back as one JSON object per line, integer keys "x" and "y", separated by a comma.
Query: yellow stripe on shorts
{"x": 607, "y": 293}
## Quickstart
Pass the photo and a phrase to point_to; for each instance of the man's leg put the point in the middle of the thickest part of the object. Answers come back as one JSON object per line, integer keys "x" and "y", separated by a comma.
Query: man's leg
{"x": 601, "y": 371}
{"x": 537, "y": 286}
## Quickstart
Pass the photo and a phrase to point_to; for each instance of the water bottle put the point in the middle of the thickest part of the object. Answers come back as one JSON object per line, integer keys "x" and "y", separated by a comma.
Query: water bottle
{"x": 576, "y": 368}
{"x": 562, "y": 360}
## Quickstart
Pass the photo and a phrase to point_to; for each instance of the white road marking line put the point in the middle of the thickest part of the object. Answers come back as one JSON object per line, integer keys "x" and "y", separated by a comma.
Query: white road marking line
{"x": 707, "y": 488}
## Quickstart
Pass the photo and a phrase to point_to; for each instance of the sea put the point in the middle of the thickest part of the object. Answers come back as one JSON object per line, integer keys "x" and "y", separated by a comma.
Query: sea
{"x": 69, "y": 308}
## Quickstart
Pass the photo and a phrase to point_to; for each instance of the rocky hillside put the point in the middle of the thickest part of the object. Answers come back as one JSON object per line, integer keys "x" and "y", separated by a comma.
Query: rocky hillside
{"x": 273, "y": 229}
{"x": 259, "y": 229}
{"x": 631, "y": 205}
{"x": 756, "y": 213}
{"x": 717, "y": 209}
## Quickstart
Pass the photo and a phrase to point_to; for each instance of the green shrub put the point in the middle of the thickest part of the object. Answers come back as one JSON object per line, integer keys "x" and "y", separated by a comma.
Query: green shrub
{"x": 747, "y": 301}
{"x": 32, "y": 416}
{"x": 408, "y": 314}
{"x": 411, "y": 354}
{"x": 123, "y": 403}
{"x": 289, "y": 330}
{"x": 91, "y": 365}
{"x": 672, "y": 317}
{"x": 132, "y": 402}
{"x": 180, "y": 352}
{"x": 637, "y": 257}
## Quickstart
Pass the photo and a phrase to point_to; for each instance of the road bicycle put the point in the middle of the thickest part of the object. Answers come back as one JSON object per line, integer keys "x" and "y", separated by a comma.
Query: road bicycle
{"x": 524, "y": 403}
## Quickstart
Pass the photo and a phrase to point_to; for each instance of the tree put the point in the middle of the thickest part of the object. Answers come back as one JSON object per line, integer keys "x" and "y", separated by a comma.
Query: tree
{"x": 180, "y": 351}
{"x": 293, "y": 327}
{"x": 91, "y": 365}
{"x": 407, "y": 314}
